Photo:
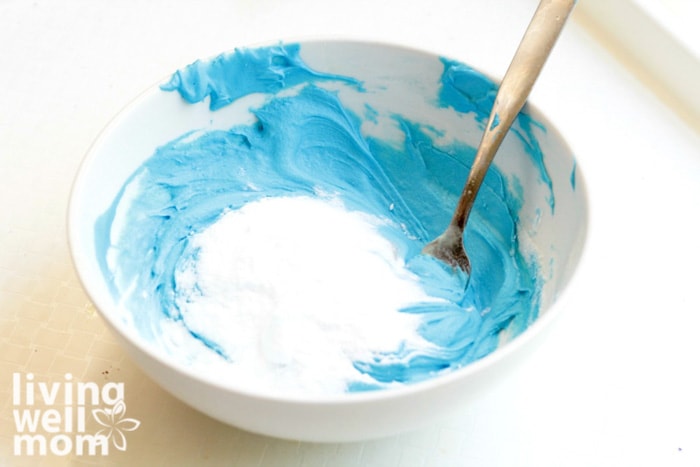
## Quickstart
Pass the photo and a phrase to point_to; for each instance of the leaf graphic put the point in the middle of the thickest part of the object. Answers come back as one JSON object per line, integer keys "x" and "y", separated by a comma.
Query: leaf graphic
{"x": 104, "y": 417}
{"x": 119, "y": 409}
{"x": 113, "y": 421}
{"x": 104, "y": 432}
{"x": 128, "y": 424}
{"x": 119, "y": 440}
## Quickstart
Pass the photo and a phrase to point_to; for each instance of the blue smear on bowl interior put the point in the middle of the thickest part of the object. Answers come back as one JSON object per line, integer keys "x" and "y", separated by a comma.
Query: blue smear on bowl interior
{"x": 307, "y": 143}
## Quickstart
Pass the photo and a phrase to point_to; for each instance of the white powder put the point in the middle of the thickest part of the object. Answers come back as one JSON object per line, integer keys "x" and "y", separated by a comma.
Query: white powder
{"x": 293, "y": 290}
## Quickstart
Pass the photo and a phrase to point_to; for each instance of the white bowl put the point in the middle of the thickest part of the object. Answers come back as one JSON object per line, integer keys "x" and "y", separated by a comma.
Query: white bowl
{"x": 395, "y": 80}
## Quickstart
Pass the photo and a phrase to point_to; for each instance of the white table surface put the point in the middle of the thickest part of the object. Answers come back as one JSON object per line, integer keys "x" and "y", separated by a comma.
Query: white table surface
{"x": 615, "y": 384}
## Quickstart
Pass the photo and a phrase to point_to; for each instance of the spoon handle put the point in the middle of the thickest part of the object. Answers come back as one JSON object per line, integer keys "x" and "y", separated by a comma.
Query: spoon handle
{"x": 534, "y": 48}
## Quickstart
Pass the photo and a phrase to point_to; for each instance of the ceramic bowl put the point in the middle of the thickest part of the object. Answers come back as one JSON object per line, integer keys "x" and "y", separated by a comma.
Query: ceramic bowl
{"x": 390, "y": 80}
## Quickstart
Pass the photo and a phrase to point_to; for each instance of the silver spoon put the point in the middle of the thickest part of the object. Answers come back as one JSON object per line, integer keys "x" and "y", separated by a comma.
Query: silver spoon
{"x": 534, "y": 48}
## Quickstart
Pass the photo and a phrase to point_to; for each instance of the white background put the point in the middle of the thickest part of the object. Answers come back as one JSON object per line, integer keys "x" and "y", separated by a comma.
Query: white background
{"x": 615, "y": 384}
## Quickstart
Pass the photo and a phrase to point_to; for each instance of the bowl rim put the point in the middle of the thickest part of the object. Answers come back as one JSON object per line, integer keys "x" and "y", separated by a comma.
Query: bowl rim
{"x": 455, "y": 376}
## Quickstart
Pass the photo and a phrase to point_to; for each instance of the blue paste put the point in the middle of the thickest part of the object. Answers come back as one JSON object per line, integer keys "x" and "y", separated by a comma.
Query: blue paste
{"x": 308, "y": 141}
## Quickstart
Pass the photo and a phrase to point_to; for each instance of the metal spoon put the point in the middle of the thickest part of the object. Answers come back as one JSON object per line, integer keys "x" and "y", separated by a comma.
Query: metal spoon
{"x": 534, "y": 48}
